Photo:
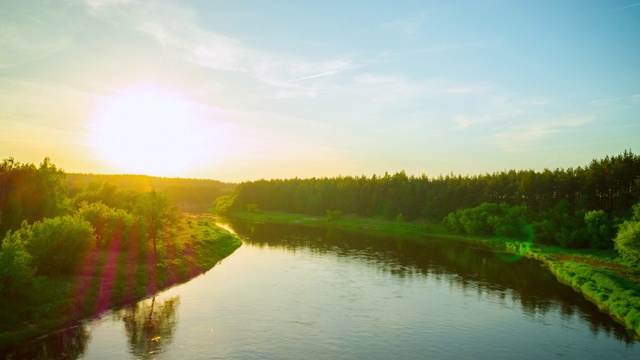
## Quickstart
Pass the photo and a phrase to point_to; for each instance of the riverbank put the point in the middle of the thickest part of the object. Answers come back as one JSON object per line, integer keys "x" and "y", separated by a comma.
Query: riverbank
{"x": 599, "y": 275}
{"x": 118, "y": 276}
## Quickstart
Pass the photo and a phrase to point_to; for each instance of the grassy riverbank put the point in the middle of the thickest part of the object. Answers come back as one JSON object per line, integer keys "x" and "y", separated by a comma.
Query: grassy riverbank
{"x": 115, "y": 277}
{"x": 600, "y": 275}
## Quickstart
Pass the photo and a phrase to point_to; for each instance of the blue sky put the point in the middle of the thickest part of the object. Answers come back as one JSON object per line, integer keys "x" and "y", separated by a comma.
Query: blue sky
{"x": 279, "y": 89}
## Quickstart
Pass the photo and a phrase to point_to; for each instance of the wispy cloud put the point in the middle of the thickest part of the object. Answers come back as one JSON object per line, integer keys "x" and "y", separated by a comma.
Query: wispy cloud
{"x": 195, "y": 45}
{"x": 289, "y": 78}
{"x": 97, "y": 5}
{"x": 520, "y": 137}
{"x": 175, "y": 29}
{"x": 312, "y": 70}
{"x": 30, "y": 34}
{"x": 389, "y": 88}
{"x": 625, "y": 7}
{"x": 394, "y": 88}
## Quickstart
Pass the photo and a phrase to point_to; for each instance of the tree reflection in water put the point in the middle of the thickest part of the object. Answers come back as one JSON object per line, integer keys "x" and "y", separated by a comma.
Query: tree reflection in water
{"x": 70, "y": 343}
{"x": 150, "y": 325}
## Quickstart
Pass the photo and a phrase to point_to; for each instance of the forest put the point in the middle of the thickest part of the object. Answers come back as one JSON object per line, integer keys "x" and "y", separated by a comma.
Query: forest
{"x": 575, "y": 208}
{"x": 189, "y": 195}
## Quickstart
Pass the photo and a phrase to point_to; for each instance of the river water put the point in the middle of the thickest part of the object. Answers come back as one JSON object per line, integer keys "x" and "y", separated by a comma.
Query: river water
{"x": 294, "y": 292}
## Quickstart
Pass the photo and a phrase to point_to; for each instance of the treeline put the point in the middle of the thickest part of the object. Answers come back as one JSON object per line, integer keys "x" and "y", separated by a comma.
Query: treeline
{"x": 30, "y": 193}
{"x": 190, "y": 195}
{"x": 610, "y": 186}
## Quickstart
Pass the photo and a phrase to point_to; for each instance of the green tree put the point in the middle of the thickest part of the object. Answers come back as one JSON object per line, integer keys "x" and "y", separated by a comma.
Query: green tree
{"x": 599, "y": 228}
{"x": 16, "y": 270}
{"x": 30, "y": 193}
{"x": 156, "y": 213}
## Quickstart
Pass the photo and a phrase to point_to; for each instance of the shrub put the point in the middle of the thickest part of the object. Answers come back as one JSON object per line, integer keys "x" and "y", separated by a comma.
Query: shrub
{"x": 223, "y": 204}
{"x": 108, "y": 223}
{"x": 452, "y": 222}
{"x": 58, "y": 245}
{"x": 627, "y": 242}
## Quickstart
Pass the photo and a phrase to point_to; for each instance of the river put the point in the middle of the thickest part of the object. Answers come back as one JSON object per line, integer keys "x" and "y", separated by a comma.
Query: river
{"x": 294, "y": 292}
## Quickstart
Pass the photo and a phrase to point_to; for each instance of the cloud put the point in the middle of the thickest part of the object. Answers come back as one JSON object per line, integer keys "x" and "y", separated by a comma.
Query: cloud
{"x": 195, "y": 45}
{"x": 31, "y": 33}
{"x": 96, "y": 5}
{"x": 312, "y": 70}
{"x": 395, "y": 88}
{"x": 625, "y": 7}
{"x": 289, "y": 78}
{"x": 389, "y": 88}
{"x": 520, "y": 137}
{"x": 175, "y": 29}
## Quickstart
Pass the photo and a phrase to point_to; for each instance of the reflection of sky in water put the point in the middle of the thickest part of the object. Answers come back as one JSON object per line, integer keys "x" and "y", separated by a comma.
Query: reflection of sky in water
{"x": 361, "y": 297}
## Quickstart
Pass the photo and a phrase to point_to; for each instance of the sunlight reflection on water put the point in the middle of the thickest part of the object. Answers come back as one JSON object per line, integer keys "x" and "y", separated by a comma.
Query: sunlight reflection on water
{"x": 291, "y": 292}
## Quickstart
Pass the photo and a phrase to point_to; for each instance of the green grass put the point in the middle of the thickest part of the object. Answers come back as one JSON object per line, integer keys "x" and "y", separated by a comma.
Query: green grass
{"x": 602, "y": 276}
{"x": 59, "y": 301}
{"x": 614, "y": 294}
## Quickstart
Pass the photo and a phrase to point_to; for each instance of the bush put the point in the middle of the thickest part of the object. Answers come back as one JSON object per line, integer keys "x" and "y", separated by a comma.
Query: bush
{"x": 223, "y": 204}
{"x": 452, "y": 222}
{"x": 109, "y": 223}
{"x": 627, "y": 242}
{"x": 58, "y": 245}
{"x": 491, "y": 219}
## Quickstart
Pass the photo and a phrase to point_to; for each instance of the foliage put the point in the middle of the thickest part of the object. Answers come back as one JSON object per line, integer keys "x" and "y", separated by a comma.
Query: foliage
{"x": 223, "y": 204}
{"x": 491, "y": 219}
{"x": 16, "y": 271}
{"x": 111, "y": 225}
{"x": 608, "y": 184}
{"x": 190, "y": 195}
{"x": 156, "y": 213}
{"x": 58, "y": 245}
{"x": 627, "y": 242}
{"x": 30, "y": 193}
{"x": 599, "y": 229}
{"x": 106, "y": 193}
{"x": 612, "y": 293}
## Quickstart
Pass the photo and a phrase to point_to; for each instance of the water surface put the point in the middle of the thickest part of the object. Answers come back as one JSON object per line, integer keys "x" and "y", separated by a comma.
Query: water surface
{"x": 295, "y": 292}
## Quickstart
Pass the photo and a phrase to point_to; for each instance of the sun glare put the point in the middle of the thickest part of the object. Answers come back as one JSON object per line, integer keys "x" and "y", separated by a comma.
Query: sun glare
{"x": 149, "y": 132}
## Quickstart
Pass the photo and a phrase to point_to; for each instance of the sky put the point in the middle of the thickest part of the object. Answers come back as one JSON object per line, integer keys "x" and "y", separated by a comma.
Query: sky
{"x": 243, "y": 90}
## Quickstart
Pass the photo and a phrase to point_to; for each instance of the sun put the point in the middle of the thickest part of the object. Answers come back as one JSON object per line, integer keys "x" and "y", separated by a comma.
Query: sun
{"x": 147, "y": 131}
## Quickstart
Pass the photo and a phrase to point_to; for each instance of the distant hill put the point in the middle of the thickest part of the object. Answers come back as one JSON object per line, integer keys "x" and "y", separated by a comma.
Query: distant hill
{"x": 190, "y": 195}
